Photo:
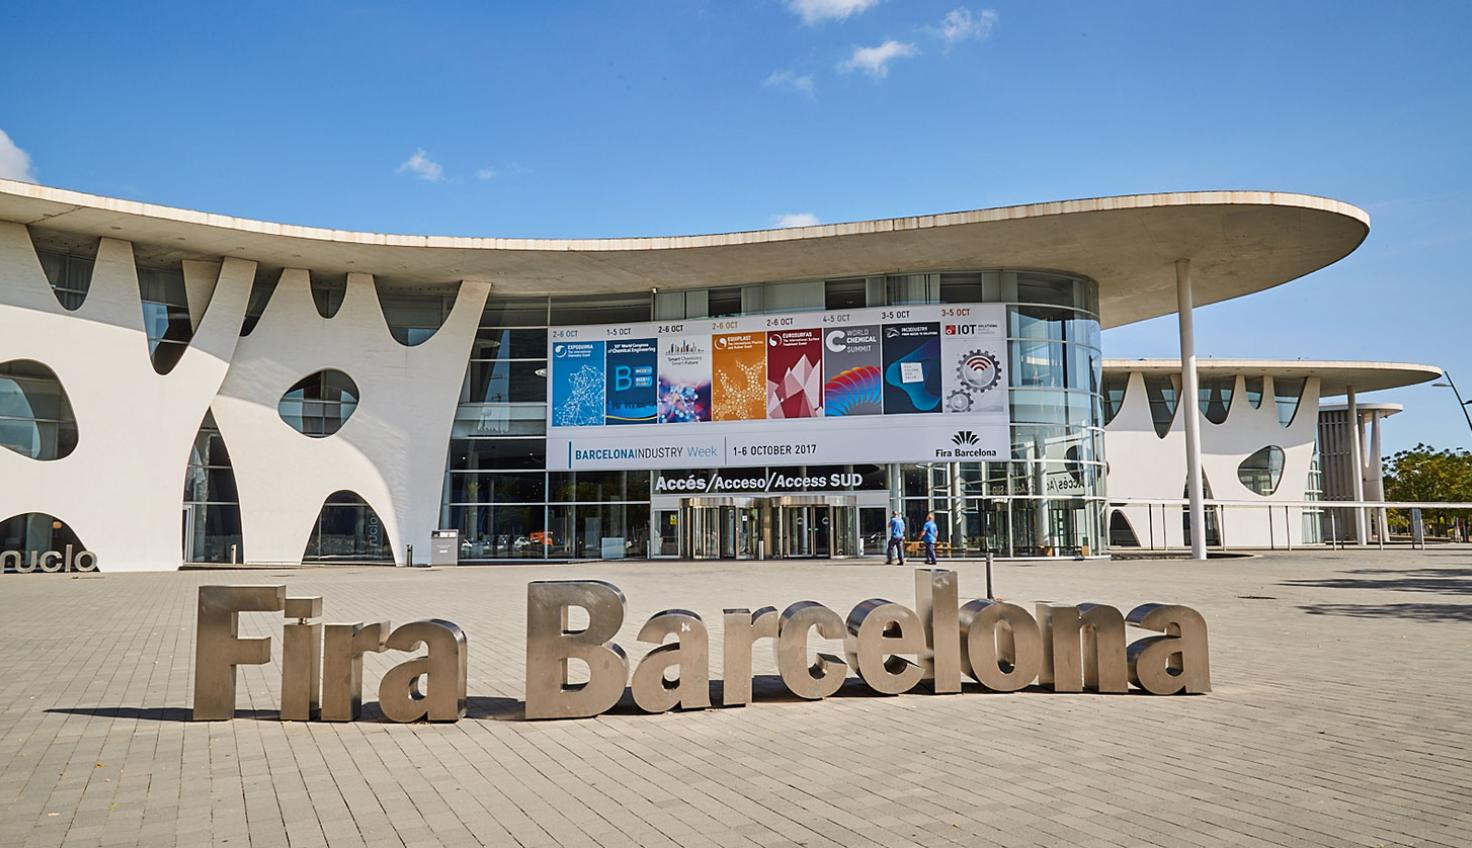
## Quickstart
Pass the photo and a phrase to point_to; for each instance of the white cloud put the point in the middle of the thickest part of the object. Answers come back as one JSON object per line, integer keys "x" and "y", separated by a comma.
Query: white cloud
{"x": 15, "y": 164}
{"x": 422, "y": 167}
{"x": 874, "y": 61}
{"x": 486, "y": 174}
{"x": 795, "y": 219}
{"x": 814, "y": 11}
{"x": 801, "y": 83}
{"x": 960, "y": 24}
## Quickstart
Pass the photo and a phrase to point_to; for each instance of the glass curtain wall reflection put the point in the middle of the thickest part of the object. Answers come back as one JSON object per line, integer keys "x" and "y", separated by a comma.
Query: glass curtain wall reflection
{"x": 498, "y": 495}
{"x": 1047, "y": 499}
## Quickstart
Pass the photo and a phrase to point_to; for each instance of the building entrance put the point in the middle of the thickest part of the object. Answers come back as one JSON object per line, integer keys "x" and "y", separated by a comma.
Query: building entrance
{"x": 785, "y": 527}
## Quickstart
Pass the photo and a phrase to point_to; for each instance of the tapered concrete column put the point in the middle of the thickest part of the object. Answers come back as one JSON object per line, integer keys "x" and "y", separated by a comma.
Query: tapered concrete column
{"x": 1377, "y": 473}
{"x": 1189, "y": 404}
{"x": 1357, "y": 462}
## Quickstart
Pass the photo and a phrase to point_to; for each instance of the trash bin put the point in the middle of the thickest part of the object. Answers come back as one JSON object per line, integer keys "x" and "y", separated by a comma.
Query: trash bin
{"x": 444, "y": 547}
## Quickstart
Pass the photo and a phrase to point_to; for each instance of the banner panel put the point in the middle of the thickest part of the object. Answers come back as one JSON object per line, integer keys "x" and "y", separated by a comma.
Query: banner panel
{"x": 829, "y": 388}
{"x": 632, "y": 397}
{"x": 684, "y": 379}
{"x": 853, "y": 381}
{"x": 739, "y": 363}
{"x": 577, "y": 384}
{"x": 911, "y": 368}
{"x": 973, "y": 353}
{"x": 794, "y": 374}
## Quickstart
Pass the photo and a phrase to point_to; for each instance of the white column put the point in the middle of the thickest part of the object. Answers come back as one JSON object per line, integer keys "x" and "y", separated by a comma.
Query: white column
{"x": 1189, "y": 404}
{"x": 1377, "y": 473}
{"x": 1357, "y": 466}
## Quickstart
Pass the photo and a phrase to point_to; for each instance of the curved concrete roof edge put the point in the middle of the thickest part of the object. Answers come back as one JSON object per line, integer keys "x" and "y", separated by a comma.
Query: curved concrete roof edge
{"x": 1338, "y": 375}
{"x": 82, "y": 200}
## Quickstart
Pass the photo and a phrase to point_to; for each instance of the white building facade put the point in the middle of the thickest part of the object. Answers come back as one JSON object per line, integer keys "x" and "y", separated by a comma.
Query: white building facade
{"x": 1268, "y": 443}
{"x": 178, "y": 387}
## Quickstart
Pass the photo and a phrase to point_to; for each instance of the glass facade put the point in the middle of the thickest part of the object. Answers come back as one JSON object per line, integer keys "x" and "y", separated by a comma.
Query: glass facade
{"x": 165, "y": 315}
{"x": 1047, "y": 499}
{"x": 1262, "y": 471}
{"x": 1287, "y": 391}
{"x": 211, "y": 504}
{"x": 319, "y": 404}
{"x": 36, "y": 418}
{"x": 70, "y": 276}
{"x": 36, "y": 533}
{"x": 349, "y": 530}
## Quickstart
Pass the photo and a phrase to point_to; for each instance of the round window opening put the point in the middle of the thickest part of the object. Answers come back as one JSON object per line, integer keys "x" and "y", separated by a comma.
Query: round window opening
{"x": 319, "y": 404}
{"x": 36, "y": 418}
{"x": 1262, "y": 471}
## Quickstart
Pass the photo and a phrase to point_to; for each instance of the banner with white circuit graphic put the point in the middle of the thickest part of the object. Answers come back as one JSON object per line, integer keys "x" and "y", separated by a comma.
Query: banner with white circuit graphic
{"x": 886, "y": 384}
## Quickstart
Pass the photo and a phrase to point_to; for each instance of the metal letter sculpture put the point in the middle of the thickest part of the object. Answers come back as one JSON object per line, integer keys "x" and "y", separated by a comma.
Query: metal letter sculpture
{"x": 1004, "y": 651}
{"x": 343, "y": 646}
{"x": 937, "y": 604}
{"x": 1173, "y": 663}
{"x": 443, "y": 667}
{"x": 301, "y": 660}
{"x": 893, "y": 649}
{"x": 878, "y": 632}
{"x": 822, "y": 678}
{"x": 549, "y": 645}
{"x": 1083, "y": 647}
{"x": 742, "y": 629}
{"x": 689, "y": 655}
{"x": 217, "y": 648}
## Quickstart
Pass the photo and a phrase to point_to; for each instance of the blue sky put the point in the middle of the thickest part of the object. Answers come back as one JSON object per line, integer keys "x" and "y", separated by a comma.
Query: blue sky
{"x": 637, "y": 118}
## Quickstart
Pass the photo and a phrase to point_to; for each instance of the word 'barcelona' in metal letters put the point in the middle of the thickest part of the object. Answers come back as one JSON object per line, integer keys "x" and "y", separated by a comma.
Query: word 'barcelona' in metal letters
{"x": 893, "y": 648}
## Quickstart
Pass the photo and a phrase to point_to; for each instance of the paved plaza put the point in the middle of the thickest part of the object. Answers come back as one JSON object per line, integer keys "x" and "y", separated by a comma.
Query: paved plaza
{"x": 1340, "y": 716}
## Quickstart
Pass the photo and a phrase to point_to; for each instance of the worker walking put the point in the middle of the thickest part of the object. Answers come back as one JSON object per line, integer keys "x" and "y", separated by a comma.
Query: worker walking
{"x": 928, "y": 534}
{"x": 896, "y": 539}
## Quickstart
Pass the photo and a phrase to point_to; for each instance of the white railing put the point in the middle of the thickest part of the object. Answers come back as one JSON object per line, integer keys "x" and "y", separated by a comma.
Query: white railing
{"x": 1275, "y": 525}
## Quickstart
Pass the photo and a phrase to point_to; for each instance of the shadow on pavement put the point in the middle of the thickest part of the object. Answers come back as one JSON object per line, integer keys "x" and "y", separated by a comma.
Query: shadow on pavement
{"x": 158, "y": 713}
{"x": 1436, "y": 581}
{"x": 1412, "y": 612}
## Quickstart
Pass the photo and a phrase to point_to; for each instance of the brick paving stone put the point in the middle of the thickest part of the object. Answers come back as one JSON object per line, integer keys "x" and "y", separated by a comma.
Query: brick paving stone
{"x": 1341, "y": 684}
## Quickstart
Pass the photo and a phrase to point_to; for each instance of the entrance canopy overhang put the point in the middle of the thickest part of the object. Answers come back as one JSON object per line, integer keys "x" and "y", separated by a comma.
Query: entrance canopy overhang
{"x": 1237, "y": 241}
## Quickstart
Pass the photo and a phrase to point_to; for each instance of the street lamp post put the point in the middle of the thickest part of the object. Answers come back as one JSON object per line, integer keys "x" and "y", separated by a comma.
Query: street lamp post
{"x": 1460, "y": 402}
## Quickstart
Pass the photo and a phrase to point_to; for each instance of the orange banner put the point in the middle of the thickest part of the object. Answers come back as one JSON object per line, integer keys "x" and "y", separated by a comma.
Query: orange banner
{"x": 739, "y": 372}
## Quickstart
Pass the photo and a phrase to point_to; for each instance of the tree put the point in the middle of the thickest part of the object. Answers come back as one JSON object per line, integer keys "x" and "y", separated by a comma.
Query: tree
{"x": 1424, "y": 473}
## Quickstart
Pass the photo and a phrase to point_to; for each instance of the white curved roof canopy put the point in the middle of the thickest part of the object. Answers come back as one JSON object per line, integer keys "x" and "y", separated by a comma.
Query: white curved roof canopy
{"x": 1336, "y": 377}
{"x": 1239, "y": 242}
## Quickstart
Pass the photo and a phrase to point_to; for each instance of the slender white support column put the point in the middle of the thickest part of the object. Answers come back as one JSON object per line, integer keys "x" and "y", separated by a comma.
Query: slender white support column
{"x": 1357, "y": 464}
{"x": 1377, "y": 473}
{"x": 1189, "y": 405}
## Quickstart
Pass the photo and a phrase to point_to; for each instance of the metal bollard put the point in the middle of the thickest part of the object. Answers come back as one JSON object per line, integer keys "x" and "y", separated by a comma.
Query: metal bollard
{"x": 989, "y": 557}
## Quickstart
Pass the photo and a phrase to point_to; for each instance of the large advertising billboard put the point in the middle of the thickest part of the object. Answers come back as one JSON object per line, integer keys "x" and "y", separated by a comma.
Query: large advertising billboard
{"x": 897, "y": 384}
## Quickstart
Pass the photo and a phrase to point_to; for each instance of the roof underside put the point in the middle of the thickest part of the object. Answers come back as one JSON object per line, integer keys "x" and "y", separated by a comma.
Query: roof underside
{"x": 1335, "y": 377}
{"x": 1238, "y": 242}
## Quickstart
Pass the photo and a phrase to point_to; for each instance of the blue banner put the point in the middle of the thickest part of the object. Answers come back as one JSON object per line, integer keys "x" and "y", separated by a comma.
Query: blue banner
{"x": 577, "y": 384}
{"x": 633, "y": 396}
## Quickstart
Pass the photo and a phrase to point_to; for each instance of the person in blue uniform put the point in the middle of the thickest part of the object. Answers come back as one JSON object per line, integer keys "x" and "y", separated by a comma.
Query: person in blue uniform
{"x": 896, "y": 539}
{"x": 928, "y": 534}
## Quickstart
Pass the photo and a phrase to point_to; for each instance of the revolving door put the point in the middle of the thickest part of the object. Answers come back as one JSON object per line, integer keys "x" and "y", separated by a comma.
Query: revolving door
{"x": 721, "y": 528}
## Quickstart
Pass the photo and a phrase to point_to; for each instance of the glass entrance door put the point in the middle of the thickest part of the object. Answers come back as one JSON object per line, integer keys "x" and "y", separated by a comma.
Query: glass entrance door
{"x": 669, "y": 532}
{"x": 720, "y": 528}
{"x": 794, "y": 524}
{"x": 814, "y": 527}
